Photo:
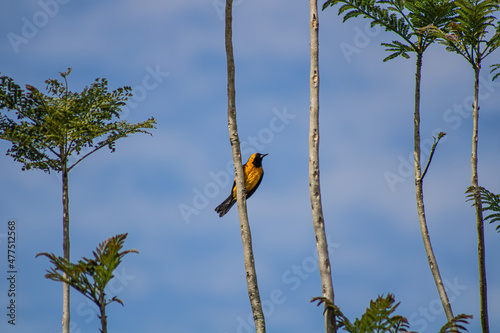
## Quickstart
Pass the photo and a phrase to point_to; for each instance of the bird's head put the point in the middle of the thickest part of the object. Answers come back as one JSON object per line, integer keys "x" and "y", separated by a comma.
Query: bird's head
{"x": 256, "y": 159}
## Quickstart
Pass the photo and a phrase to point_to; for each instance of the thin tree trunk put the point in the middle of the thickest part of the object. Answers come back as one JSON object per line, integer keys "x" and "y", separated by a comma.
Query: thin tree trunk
{"x": 420, "y": 198}
{"x": 479, "y": 208}
{"x": 246, "y": 237}
{"x": 65, "y": 200}
{"x": 314, "y": 182}
{"x": 104, "y": 319}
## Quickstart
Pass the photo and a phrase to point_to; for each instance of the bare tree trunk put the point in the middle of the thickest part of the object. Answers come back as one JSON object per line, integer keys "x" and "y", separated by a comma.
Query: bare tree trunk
{"x": 65, "y": 200}
{"x": 420, "y": 197}
{"x": 246, "y": 237}
{"x": 479, "y": 208}
{"x": 104, "y": 319}
{"x": 314, "y": 182}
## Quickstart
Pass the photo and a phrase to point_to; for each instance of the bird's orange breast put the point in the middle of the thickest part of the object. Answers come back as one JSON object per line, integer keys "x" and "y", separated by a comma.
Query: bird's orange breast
{"x": 252, "y": 177}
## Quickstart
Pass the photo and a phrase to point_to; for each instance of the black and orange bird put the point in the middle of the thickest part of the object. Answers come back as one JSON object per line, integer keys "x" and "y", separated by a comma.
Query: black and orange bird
{"x": 253, "y": 174}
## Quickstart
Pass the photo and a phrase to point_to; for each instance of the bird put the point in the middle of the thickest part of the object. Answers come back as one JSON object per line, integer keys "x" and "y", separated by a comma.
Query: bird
{"x": 253, "y": 173}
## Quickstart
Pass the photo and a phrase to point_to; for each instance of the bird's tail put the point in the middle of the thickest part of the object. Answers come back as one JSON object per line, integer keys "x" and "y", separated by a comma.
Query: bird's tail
{"x": 225, "y": 206}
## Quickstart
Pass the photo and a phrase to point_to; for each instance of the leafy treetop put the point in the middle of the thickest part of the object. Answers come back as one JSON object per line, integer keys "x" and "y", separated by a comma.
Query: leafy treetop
{"x": 405, "y": 18}
{"x": 467, "y": 35}
{"x": 51, "y": 127}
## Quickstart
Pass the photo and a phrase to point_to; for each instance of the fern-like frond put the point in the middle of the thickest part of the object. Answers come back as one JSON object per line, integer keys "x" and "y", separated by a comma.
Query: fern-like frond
{"x": 456, "y": 325}
{"x": 379, "y": 317}
{"x": 490, "y": 203}
{"x": 474, "y": 19}
{"x": 407, "y": 18}
{"x": 340, "y": 319}
{"x": 431, "y": 12}
{"x": 494, "y": 42}
{"x": 385, "y": 17}
{"x": 398, "y": 49}
{"x": 495, "y": 68}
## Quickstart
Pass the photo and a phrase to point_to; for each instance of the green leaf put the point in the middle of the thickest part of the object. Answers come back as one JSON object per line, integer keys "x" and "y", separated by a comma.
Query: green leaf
{"x": 378, "y": 317}
{"x": 340, "y": 319}
{"x": 398, "y": 49}
{"x": 408, "y": 19}
{"x": 456, "y": 325}
{"x": 495, "y": 68}
{"x": 468, "y": 33}
{"x": 490, "y": 202}
{"x": 91, "y": 276}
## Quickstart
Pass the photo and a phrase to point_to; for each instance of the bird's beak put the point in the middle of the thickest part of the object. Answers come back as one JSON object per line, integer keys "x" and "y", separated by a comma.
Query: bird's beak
{"x": 264, "y": 155}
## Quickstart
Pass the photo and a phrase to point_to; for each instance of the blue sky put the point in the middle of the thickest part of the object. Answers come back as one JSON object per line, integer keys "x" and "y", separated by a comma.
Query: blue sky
{"x": 162, "y": 190}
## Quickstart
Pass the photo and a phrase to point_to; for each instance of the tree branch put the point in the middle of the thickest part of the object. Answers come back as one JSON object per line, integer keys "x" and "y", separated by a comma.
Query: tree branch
{"x": 434, "y": 145}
